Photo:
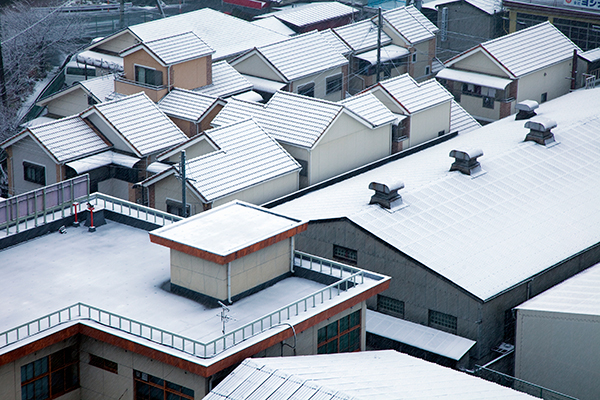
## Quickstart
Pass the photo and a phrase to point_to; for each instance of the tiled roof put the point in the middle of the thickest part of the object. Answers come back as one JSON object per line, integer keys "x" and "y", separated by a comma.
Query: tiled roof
{"x": 302, "y": 55}
{"x": 411, "y": 24}
{"x": 186, "y": 104}
{"x": 208, "y": 24}
{"x": 226, "y": 81}
{"x": 275, "y": 25}
{"x": 247, "y": 156}
{"x": 141, "y": 123}
{"x": 179, "y": 48}
{"x": 313, "y": 13}
{"x": 335, "y": 41}
{"x": 68, "y": 138}
{"x": 101, "y": 87}
{"x": 361, "y": 36}
{"x": 368, "y": 107}
{"x": 414, "y": 96}
{"x": 490, "y": 7}
{"x": 461, "y": 120}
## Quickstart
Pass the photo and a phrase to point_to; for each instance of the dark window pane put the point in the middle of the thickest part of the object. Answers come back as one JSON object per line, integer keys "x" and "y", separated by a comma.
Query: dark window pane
{"x": 344, "y": 323}
{"x": 187, "y": 392}
{"x": 71, "y": 377}
{"x": 156, "y": 380}
{"x": 142, "y": 391}
{"x": 332, "y": 330}
{"x": 344, "y": 343}
{"x": 332, "y": 347}
{"x": 171, "y": 396}
{"x": 58, "y": 381}
{"x": 157, "y": 394}
{"x": 173, "y": 386}
{"x": 354, "y": 319}
{"x": 354, "y": 340}
{"x": 322, "y": 349}
{"x": 57, "y": 360}
{"x": 41, "y": 388}
{"x": 27, "y": 372}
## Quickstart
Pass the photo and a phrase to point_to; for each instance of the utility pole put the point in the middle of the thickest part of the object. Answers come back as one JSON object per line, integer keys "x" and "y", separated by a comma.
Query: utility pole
{"x": 2, "y": 78}
{"x": 122, "y": 14}
{"x": 378, "y": 67}
{"x": 183, "y": 182}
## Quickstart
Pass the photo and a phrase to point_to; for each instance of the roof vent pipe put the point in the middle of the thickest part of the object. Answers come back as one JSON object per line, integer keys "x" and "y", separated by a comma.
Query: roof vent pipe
{"x": 465, "y": 161}
{"x": 386, "y": 194}
{"x": 540, "y": 131}
{"x": 526, "y": 109}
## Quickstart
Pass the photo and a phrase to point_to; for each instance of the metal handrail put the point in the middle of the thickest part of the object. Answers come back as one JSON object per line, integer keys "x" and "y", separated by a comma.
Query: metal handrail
{"x": 135, "y": 210}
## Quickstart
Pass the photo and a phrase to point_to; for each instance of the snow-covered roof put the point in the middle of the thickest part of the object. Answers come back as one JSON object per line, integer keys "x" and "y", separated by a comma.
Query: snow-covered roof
{"x": 367, "y": 375}
{"x": 490, "y": 7}
{"x": 525, "y": 51}
{"x": 387, "y": 53}
{"x": 591, "y": 55}
{"x": 63, "y": 139}
{"x": 361, "y": 36}
{"x": 264, "y": 85}
{"x": 414, "y": 96}
{"x": 89, "y": 163}
{"x": 409, "y": 22}
{"x": 226, "y": 34}
{"x": 474, "y": 78}
{"x": 577, "y": 295}
{"x": 312, "y": 13}
{"x": 275, "y": 25}
{"x": 100, "y": 87}
{"x": 370, "y": 108}
{"x": 490, "y": 233}
{"x": 187, "y": 104}
{"x": 301, "y": 56}
{"x": 226, "y": 81}
{"x": 175, "y": 49}
{"x": 461, "y": 120}
{"x": 140, "y": 122}
{"x": 336, "y": 42}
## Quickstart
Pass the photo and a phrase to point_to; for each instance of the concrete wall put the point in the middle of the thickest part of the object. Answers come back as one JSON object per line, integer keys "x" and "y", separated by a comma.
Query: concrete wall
{"x": 427, "y": 124}
{"x": 69, "y": 104}
{"x": 552, "y": 80}
{"x": 29, "y": 150}
{"x": 559, "y": 351}
{"x": 256, "y": 66}
{"x": 192, "y": 74}
{"x": 210, "y": 278}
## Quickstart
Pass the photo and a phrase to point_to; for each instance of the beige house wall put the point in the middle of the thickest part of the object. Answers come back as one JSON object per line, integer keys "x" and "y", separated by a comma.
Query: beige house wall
{"x": 69, "y": 104}
{"x": 427, "y": 124}
{"x": 118, "y": 44}
{"x": 29, "y": 150}
{"x": 320, "y": 81}
{"x": 108, "y": 131}
{"x": 191, "y": 74}
{"x": 479, "y": 62}
{"x": 187, "y": 127}
{"x": 143, "y": 59}
{"x": 422, "y": 51}
{"x": 256, "y": 66}
{"x": 127, "y": 88}
{"x": 474, "y": 105}
{"x": 553, "y": 80}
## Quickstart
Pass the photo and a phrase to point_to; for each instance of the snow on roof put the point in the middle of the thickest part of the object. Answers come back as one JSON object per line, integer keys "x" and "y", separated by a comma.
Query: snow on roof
{"x": 414, "y": 96}
{"x": 139, "y": 120}
{"x": 89, "y": 163}
{"x": 65, "y": 139}
{"x": 367, "y": 106}
{"x": 226, "y": 81}
{"x": 484, "y": 234}
{"x": 387, "y": 53}
{"x": 591, "y": 55}
{"x": 490, "y": 7}
{"x": 527, "y": 50}
{"x": 186, "y": 104}
{"x": 302, "y": 55}
{"x": 247, "y": 156}
{"x": 367, "y": 375}
{"x": 275, "y": 25}
{"x": 226, "y": 34}
{"x": 178, "y": 48}
{"x": 411, "y": 24}
{"x": 228, "y": 229}
{"x": 461, "y": 120}
{"x": 312, "y": 13}
{"x": 474, "y": 78}
{"x": 361, "y": 36}
{"x": 577, "y": 295}
{"x": 100, "y": 87}
{"x": 265, "y": 85}
{"x": 335, "y": 41}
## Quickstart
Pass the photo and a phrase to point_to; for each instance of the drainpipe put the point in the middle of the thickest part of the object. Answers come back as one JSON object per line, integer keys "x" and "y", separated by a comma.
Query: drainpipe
{"x": 292, "y": 249}
{"x": 574, "y": 70}
{"x": 229, "y": 282}
{"x": 169, "y": 79}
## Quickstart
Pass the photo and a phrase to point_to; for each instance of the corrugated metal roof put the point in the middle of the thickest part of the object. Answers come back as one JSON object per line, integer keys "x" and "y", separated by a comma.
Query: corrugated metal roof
{"x": 226, "y": 81}
{"x": 336, "y": 42}
{"x": 461, "y": 120}
{"x": 365, "y": 375}
{"x": 100, "y": 87}
{"x": 367, "y": 106}
{"x": 179, "y": 48}
{"x": 591, "y": 55}
{"x": 247, "y": 156}
{"x": 68, "y": 138}
{"x": 411, "y": 24}
{"x": 415, "y": 96}
{"x": 361, "y": 36}
{"x": 186, "y": 104}
{"x": 302, "y": 55}
{"x": 141, "y": 123}
{"x": 275, "y": 25}
{"x": 209, "y": 25}
{"x": 313, "y": 13}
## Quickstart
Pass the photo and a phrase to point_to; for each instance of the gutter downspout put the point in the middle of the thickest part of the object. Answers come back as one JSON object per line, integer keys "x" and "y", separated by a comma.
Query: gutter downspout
{"x": 292, "y": 249}
{"x": 168, "y": 79}
{"x": 229, "y": 282}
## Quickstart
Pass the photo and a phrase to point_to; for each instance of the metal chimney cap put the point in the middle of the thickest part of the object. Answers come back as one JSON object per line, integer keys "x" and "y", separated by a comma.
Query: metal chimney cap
{"x": 466, "y": 154}
{"x": 527, "y": 105}
{"x": 540, "y": 124}
{"x": 386, "y": 187}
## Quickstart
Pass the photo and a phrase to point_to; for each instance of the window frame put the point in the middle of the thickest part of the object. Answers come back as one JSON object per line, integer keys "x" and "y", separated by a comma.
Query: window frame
{"x": 172, "y": 203}
{"x": 310, "y": 85}
{"x": 331, "y": 343}
{"x": 103, "y": 363}
{"x": 137, "y": 67}
{"x": 332, "y": 82}
{"x": 349, "y": 255}
{"x": 52, "y": 374}
{"x": 389, "y": 308}
{"x": 39, "y": 172}
{"x": 442, "y": 321}
{"x": 164, "y": 385}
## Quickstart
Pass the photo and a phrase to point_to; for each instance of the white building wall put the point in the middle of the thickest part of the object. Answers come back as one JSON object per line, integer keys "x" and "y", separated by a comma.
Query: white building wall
{"x": 28, "y": 150}
{"x": 115, "y": 187}
{"x": 427, "y": 124}
{"x": 553, "y": 80}
{"x": 320, "y": 81}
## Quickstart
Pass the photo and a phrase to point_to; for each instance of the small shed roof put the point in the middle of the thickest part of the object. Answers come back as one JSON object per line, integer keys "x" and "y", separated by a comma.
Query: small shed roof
{"x": 370, "y": 108}
{"x": 490, "y": 7}
{"x": 312, "y": 13}
{"x": 361, "y": 36}
{"x": 187, "y": 104}
{"x": 414, "y": 96}
{"x": 591, "y": 55}
{"x": 226, "y": 81}
{"x": 409, "y": 22}
{"x": 175, "y": 49}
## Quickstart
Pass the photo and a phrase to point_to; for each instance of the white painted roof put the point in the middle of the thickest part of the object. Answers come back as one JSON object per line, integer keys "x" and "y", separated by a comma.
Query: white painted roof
{"x": 68, "y": 138}
{"x": 275, "y": 25}
{"x": 579, "y": 294}
{"x": 474, "y": 78}
{"x": 591, "y": 55}
{"x": 99, "y": 160}
{"x": 419, "y": 336}
{"x": 303, "y": 55}
{"x": 248, "y": 156}
{"x": 368, "y": 375}
{"x": 100, "y": 87}
{"x": 227, "y": 229}
{"x": 265, "y": 85}
{"x": 414, "y": 96}
{"x": 485, "y": 234}
{"x": 411, "y": 24}
{"x": 335, "y": 41}
{"x": 461, "y": 120}
{"x": 490, "y": 7}
{"x": 178, "y": 48}
{"x": 361, "y": 36}
{"x": 367, "y": 106}
{"x": 142, "y": 124}
{"x": 312, "y": 13}
{"x": 387, "y": 53}
{"x": 226, "y": 34}
{"x": 226, "y": 81}
{"x": 186, "y": 104}
{"x": 527, "y": 50}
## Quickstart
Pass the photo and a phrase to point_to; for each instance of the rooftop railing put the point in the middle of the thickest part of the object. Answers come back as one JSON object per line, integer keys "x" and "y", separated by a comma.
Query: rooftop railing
{"x": 134, "y": 210}
{"x": 349, "y": 277}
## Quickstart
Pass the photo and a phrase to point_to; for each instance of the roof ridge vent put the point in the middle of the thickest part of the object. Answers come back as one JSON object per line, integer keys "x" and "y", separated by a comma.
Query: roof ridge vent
{"x": 386, "y": 194}
{"x": 466, "y": 162}
{"x": 540, "y": 131}
{"x": 526, "y": 109}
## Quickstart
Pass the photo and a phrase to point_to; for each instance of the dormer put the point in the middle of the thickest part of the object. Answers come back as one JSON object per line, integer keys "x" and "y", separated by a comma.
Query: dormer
{"x": 156, "y": 66}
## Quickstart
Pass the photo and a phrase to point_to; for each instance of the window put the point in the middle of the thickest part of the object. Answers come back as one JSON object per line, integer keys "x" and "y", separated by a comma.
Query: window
{"x": 427, "y": 70}
{"x": 307, "y": 90}
{"x": 148, "y": 76}
{"x": 340, "y": 336}
{"x": 444, "y": 322}
{"x": 105, "y": 364}
{"x": 334, "y": 84}
{"x": 414, "y": 57}
{"x": 50, "y": 376}
{"x": 544, "y": 97}
{"x": 86, "y": 71}
{"x": 488, "y": 102}
{"x": 175, "y": 207}
{"x": 91, "y": 101}
{"x": 148, "y": 387}
{"x": 388, "y": 305}
{"x": 345, "y": 254}
{"x": 34, "y": 173}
